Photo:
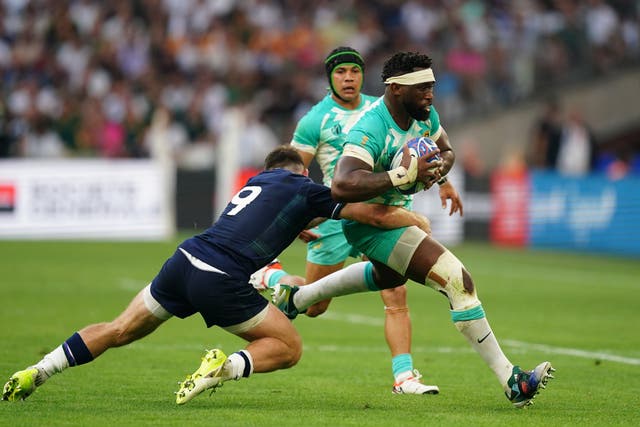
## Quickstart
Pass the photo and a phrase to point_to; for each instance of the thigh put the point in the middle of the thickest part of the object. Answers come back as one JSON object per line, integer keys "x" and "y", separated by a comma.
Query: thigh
{"x": 136, "y": 321}
{"x": 274, "y": 325}
{"x": 394, "y": 248}
{"x": 425, "y": 256}
{"x": 385, "y": 277}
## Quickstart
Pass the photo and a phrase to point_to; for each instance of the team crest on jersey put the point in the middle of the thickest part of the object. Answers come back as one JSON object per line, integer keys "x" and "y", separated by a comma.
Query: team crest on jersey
{"x": 337, "y": 129}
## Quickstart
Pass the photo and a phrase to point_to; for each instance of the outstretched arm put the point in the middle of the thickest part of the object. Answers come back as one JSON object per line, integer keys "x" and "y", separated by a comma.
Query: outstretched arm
{"x": 383, "y": 216}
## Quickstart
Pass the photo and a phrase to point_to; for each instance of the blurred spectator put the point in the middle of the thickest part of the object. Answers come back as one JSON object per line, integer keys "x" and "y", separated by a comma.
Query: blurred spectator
{"x": 603, "y": 34}
{"x": 256, "y": 141}
{"x": 99, "y": 70}
{"x": 472, "y": 164}
{"x": 42, "y": 141}
{"x": 620, "y": 166}
{"x": 547, "y": 132}
{"x": 6, "y": 138}
{"x": 578, "y": 151}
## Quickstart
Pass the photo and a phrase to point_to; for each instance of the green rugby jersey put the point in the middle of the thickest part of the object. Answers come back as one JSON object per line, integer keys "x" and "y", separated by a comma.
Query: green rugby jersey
{"x": 380, "y": 137}
{"x": 321, "y": 131}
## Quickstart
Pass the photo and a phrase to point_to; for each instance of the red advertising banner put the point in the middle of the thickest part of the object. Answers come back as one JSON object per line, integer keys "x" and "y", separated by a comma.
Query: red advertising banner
{"x": 7, "y": 197}
{"x": 510, "y": 195}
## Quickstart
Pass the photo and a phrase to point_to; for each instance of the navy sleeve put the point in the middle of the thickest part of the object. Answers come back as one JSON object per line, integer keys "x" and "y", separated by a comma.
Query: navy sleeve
{"x": 320, "y": 201}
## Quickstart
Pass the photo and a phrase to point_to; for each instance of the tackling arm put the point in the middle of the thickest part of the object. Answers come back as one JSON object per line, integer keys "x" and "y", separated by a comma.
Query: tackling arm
{"x": 383, "y": 216}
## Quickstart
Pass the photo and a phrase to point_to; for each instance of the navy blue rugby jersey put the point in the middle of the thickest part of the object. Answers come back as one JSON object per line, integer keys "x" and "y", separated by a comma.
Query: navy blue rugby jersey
{"x": 261, "y": 220}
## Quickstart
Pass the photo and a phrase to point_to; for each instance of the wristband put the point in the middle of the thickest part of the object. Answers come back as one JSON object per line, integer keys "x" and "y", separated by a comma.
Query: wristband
{"x": 399, "y": 176}
{"x": 443, "y": 180}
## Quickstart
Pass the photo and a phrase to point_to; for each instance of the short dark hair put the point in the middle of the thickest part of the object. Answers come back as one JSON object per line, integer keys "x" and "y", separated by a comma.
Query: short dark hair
{"x": 404, "y": 62}
{"x": 284, "y": 156}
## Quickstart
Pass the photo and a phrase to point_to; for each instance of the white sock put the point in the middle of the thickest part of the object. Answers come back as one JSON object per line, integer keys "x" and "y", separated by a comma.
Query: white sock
{"x": 238, "y": 365}
{"x": 53, "y": 363}
{"x": 402, "y": 376}
{"x": 349, "y": 280}
{"x": 481, "y": 337}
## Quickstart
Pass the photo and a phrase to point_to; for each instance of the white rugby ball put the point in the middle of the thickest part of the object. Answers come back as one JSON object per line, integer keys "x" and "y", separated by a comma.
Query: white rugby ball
{"x": 418, "y": 147}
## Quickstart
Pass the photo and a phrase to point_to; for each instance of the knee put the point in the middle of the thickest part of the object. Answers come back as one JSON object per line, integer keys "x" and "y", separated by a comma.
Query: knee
{"x": 449, "y": 276}
{"x": 294, "y": 352}
{"x": 395, "y": 297}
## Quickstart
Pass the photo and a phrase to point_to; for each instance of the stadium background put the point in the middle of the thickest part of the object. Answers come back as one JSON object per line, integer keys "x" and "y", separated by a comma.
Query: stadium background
{"x": 134, "y": 119}
{"x": 127, "y": 120}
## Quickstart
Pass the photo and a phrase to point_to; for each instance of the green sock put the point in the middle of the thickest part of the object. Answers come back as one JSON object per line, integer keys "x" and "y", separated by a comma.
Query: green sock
{"x": 275, "y": 276}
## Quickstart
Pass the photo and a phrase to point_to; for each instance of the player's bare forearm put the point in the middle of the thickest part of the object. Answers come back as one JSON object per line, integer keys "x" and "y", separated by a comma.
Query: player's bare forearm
{"x": 421, "y": 221}
{"x": 448, "y": 159}
{"x": 353, "y": 181}
{"x": 446, "y": 153}
{"x": 384, "y": 216}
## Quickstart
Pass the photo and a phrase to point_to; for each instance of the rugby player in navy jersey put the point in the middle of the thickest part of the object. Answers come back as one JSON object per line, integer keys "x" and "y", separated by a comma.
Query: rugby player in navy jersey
{"x": 209, "y": 273}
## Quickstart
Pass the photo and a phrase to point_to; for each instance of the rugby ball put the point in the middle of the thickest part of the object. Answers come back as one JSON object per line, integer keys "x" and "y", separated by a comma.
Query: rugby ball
{"x": 418, "y": 148}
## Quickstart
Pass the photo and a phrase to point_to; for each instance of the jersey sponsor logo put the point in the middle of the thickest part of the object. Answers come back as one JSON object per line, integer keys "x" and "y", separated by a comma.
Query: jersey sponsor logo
{"x": 364, "y": 140}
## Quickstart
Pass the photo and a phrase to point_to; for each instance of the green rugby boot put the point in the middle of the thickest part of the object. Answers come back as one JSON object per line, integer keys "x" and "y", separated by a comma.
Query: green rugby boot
{"x": 524, "y": 385}
{"x": 208, "y": 376}
{"x": 20, "y": 385}
{"x": 283, "y": 299}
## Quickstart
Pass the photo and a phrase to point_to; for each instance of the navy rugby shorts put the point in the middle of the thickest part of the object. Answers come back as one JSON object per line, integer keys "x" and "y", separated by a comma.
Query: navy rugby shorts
{"x": 183, "y": 289}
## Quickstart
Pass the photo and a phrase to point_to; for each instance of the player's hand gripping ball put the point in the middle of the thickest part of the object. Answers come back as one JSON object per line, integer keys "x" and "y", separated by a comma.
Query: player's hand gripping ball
{"x": 418, "y": 147}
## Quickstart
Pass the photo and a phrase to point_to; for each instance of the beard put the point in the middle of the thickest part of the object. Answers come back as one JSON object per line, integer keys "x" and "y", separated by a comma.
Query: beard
{"x": 420, "y": 114}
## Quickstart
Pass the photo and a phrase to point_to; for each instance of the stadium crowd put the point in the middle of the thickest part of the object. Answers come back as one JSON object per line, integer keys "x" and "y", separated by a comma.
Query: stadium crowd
{"x": 87, "y": 78}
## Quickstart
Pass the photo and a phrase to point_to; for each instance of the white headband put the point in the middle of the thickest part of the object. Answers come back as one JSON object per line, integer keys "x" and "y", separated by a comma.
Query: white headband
{"x": 413, "y": 78}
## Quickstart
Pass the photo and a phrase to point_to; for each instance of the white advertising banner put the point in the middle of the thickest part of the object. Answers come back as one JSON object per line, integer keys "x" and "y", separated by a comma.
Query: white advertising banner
{"x": 85, "y": 199}
{"x": 448, "y": 230}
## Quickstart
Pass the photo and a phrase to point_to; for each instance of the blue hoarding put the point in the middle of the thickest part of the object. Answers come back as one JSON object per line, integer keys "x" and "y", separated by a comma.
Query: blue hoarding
{"x": 591, "y": 213}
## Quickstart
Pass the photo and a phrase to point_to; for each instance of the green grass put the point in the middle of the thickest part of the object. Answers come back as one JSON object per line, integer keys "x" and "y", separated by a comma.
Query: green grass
{"x": 581, "y": 312}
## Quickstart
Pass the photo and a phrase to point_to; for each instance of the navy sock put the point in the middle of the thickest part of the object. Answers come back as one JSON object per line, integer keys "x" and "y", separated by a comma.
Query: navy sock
{"x": 76, "y": 350}
{"x": 248, "y": 367}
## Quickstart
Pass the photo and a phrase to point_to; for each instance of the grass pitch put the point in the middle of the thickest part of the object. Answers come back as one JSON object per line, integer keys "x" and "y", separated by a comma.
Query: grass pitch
{"x": 581, "y": 312}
